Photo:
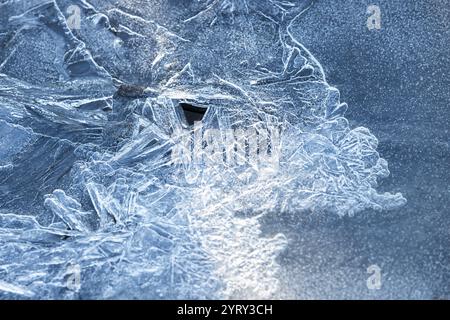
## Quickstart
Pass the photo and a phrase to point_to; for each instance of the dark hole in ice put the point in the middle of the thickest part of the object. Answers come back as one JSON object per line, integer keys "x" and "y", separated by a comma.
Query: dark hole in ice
{"x": 192, "y": 113}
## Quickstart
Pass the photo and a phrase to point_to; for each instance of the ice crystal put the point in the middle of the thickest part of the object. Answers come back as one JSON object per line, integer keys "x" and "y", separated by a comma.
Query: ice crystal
{"x": 93, "y": 202}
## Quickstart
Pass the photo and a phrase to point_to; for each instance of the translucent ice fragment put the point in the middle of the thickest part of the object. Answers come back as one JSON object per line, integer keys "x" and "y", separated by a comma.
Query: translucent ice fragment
{"x": 69, "y": 210}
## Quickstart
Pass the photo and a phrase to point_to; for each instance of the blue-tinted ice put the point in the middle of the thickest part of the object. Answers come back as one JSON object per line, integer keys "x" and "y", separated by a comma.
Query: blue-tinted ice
{"x": 92, "y": 205}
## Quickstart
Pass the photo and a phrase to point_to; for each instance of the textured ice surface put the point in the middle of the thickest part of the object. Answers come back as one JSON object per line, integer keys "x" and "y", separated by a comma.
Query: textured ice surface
{"x": 88, "y": 116}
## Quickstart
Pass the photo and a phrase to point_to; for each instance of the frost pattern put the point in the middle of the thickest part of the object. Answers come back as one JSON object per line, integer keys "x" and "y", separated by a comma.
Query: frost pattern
{"x": 87, "y": 119}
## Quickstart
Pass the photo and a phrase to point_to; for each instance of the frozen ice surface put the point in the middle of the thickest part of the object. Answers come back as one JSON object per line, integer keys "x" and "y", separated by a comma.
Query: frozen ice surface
{"x": 92, "y": 204}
